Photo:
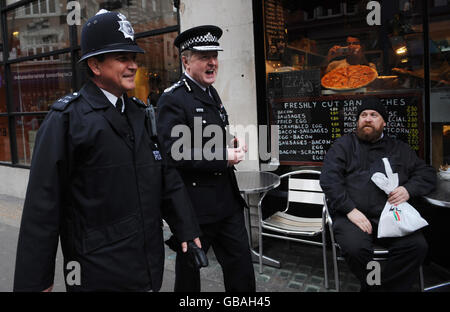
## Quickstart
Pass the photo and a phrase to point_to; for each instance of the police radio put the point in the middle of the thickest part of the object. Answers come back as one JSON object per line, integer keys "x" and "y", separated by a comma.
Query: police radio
{"x": 151, "y": 117}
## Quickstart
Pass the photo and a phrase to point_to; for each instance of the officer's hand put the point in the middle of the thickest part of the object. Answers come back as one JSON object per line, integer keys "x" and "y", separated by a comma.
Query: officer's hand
{"x": 398, "y": 196}
{"x": 235, "y": 155}
{"x": 235, "y": 142}
{"x": 196, "y": 241}
{"x": 360, "y": 220}
{"x": 48, "y": 289}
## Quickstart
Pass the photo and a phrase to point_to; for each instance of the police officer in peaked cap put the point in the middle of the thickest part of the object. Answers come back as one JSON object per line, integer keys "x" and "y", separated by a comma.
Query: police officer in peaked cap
{"x": 98, "y": 181}
{"x": 210, "y": 181}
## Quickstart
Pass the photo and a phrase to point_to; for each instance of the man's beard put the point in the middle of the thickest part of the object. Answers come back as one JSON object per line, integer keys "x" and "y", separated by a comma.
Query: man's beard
{"x": 371, "y": 136}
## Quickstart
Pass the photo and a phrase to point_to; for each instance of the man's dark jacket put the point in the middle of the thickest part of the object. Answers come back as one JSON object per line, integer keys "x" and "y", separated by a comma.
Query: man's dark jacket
{"x": 211, "y": 184}
{"x": 99, "y": 185}
{"x": 350, "y": 163}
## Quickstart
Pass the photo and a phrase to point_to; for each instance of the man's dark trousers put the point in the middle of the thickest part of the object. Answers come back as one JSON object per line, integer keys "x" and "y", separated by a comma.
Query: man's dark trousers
{"x": 229, "y": 240}
{"x": 400, "y": 270}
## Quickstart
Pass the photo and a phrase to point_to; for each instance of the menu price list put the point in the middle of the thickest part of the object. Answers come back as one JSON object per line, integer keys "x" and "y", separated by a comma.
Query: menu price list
{"x": 309, "y": 126}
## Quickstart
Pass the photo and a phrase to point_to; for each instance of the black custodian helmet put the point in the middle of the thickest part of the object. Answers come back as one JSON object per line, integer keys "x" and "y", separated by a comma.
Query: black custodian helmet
{"x": 107, "y": 32}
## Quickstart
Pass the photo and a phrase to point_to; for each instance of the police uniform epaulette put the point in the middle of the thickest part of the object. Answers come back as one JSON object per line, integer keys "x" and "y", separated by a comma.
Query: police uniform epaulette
{"x": 182, "y": 82}
{"x": 138, "y": 101}
{"x": 62, "y": 103}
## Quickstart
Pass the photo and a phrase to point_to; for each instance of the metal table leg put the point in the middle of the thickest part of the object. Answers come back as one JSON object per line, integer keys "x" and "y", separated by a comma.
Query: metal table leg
{"x": 255, "y": 255}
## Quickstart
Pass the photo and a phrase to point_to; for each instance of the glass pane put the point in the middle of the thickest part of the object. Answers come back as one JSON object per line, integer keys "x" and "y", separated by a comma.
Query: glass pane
{"x": 26, "y": 129}
{"x": 35, "y": 28}
{"x": 158, "y": 68}
{"x": 2, "y": 91}
{"x": 326, "y": 58}
{"x": 5, "y": 151}
{"x": 144, "y": 15}
{"x": 440, "y": 81}
{"x": 37, "y": 84}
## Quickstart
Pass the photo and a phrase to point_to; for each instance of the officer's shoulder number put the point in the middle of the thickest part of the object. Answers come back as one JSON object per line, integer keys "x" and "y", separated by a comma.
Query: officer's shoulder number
{"x": 178, "y": 84}
{"x": 62, "y": 103}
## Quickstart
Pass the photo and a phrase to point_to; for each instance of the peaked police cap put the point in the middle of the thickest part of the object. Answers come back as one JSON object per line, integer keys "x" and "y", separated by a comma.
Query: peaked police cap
{"x": 200, "y": 38}
{"x": 107, "y": 32}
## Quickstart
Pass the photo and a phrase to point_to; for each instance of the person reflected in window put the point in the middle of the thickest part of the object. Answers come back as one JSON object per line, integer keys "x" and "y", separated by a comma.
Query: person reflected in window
{"x": 350, "y": 54}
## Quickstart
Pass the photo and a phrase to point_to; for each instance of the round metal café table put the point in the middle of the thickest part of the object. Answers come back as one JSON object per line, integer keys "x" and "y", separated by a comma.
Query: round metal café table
{"x": 440, "y": 197}
{"x": 256, "y": 182}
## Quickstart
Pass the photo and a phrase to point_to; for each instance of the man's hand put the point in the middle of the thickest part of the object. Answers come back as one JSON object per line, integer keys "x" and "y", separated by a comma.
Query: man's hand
{"x": 196, "y": 241}
{"x": 398, "y": 196}
{"x": 48, "y": 289}
{"x": 360, "y": 220}
{"x": 196, "y": 256}
{"x": 237, "y": 153}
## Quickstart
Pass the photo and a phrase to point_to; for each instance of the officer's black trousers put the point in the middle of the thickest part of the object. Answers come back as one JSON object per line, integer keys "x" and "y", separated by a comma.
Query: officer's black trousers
{"x": 398, "y": 272}
{"x": 229, "y": 241}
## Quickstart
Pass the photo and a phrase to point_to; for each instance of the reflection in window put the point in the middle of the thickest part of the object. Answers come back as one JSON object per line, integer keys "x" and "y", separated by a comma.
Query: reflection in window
{"x": 158, "y": 67}
{"x": 37, "y": 27}
{"x": 440, "y": 82}
{"x": 325, "y": 58}
{"x": 326, "y": 35}
{"x": 144, "y": 15}
{"x": 26, "y": 130}
{"x": 37, "y": 84}
{"x": 5, "y": 151}
{"x": 2, "y": 91}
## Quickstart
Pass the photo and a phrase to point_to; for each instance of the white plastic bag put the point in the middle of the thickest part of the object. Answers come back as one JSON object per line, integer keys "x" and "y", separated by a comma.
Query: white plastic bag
{"x": 395, "y": 221}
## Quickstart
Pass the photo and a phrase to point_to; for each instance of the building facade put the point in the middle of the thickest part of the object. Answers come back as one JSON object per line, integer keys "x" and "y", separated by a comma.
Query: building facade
{"x": 277, "y": 54}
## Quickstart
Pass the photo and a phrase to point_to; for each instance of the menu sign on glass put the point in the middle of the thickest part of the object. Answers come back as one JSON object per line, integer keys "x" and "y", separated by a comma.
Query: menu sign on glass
{"x": 309, "y": 126}
{"x": 299, "y": 83}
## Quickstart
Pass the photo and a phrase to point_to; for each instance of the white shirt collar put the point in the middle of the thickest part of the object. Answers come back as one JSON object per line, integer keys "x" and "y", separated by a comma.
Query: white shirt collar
{"x": 197, "y": 83}
{"x": 113, "y": 99}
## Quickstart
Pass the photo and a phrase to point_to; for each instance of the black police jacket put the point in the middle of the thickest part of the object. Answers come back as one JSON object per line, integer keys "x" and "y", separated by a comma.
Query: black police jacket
{"x": 203, "y": 166}
{"x": 102, "y": 187}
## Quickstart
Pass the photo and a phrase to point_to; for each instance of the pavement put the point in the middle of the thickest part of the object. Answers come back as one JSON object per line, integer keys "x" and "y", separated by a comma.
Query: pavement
{"x": 301, "y": 265}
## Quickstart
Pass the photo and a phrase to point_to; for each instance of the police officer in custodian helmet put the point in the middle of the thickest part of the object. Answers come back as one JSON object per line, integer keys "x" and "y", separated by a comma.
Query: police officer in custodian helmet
{"x": 99, "y": 182}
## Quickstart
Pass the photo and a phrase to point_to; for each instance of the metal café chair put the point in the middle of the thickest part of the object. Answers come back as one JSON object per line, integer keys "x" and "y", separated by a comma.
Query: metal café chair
{"x": 303, "y": 188}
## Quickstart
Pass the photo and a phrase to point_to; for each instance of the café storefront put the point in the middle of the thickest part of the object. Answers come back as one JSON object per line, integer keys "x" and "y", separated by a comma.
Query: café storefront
{"x": 318, "y": 61}
{"x": 403, "y": 43}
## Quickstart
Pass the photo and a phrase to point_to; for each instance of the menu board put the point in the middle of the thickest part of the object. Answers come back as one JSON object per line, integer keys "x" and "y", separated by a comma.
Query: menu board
{"x": 298, "y": 83}
{"x": 274, "y": 28}
{"x": 309, "y": 126}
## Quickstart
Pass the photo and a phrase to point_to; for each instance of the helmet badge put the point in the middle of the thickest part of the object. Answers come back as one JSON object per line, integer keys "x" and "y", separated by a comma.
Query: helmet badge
{"x": 125, "y": 27}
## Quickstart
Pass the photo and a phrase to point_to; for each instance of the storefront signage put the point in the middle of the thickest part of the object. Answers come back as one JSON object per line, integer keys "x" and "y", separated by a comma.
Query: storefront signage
{"x": 299, "y": 83}
{"x": 309, "y": 126}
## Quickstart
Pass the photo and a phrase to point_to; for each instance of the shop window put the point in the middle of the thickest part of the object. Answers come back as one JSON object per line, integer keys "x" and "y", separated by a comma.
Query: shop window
{"x": 26, "y": 129}
{"x": 37, "y": 26}
{"x": 2, "y": 91}
{"x": 5, "y": 150}
{"x": 440, "y": 82}
{"x": 158, "y": 68}
{"x": 323, "y": 59}
{"x": 144, "y": 15}
{"x": 37, "y": 84}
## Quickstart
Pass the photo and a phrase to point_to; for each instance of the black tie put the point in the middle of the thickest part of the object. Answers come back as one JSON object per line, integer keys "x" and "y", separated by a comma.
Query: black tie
{"x": 119, "y": 105}
{"x": 208, "y": 91}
